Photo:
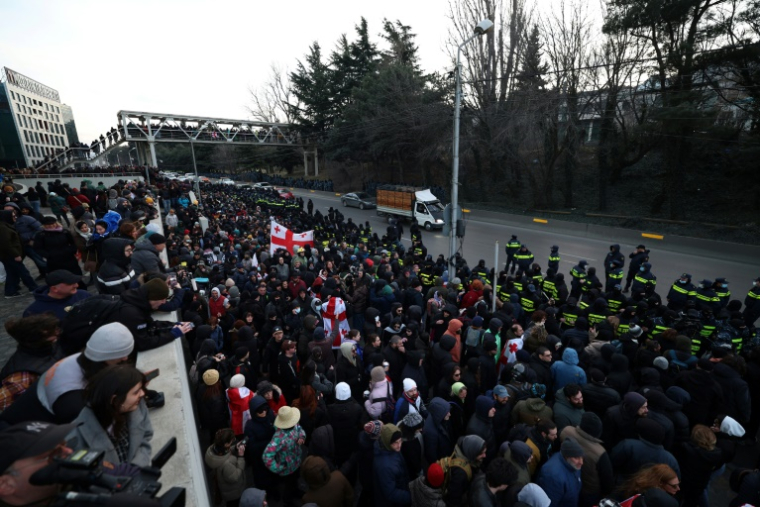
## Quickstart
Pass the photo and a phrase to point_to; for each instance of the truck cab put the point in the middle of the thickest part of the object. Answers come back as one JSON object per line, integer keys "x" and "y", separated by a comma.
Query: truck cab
{"x": 428, "y": 210}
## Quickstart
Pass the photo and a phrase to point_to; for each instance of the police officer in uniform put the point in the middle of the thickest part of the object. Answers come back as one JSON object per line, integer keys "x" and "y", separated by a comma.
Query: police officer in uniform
{"x": 644, "y": 282}
{"x": 511, "y": 248}
{"x": 752, "y": 304}
{"x": 614, "y": 275}
{"x": 681, "y": 292}
{"x": 721, "y": 290}
{"x": 579, "y": 275}
{"x": 554, "y": 259}
{"x": 638, "y": 257}
{"x": 706, "y": 298}
{"x": 524, "y": 259}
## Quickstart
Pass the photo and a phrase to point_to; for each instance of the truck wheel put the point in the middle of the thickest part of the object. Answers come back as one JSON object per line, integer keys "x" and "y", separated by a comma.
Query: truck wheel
{"x": 428, "y": 226}
{"x": 361, "y": 206}
{"x": 344, "y": 203}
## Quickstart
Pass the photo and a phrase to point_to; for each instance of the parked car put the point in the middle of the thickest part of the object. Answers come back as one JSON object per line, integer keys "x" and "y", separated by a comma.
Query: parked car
{"x": 361, "y": 200}
{"x": 262, "y": 185}
{"x": 226, "y": 181}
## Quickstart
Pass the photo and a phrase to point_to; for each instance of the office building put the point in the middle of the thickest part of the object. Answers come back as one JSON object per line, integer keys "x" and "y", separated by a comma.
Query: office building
{"x": 31, "y": 121}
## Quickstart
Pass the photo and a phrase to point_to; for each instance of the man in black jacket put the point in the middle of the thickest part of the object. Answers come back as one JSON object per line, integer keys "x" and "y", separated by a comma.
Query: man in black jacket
{"x": 135, "y": 312}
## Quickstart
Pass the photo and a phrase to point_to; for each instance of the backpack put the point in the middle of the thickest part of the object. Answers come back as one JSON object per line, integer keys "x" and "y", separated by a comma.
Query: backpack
{"x": 473, "y": 337}
{"x": 386, "y": 416}
{"x": 450, "y": 462}
{"x": 84, "y": 317}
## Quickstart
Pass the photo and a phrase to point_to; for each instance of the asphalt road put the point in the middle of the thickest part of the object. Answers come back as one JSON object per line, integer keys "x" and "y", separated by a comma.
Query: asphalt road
{"x": 482, "y": 233}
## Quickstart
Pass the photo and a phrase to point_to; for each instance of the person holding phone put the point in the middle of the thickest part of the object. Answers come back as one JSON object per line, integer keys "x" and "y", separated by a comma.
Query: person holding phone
{"x": 225, "y": 457}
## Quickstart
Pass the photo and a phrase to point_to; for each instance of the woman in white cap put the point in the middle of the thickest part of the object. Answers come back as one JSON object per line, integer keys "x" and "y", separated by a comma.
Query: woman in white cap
{"x": 283, "y": 454}
{"x": 238, "y": 397}
{"x": 115, "y": 419}
{"x": 60, "y": 396}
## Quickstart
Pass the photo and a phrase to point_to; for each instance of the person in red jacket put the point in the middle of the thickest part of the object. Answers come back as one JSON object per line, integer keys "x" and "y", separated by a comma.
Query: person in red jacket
{"x": 238, "y": 397}
{"x": 218, "y": 304}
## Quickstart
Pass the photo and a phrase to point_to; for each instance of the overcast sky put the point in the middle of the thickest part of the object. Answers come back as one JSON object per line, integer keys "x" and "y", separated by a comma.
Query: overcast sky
{"x": 186, "y": 56}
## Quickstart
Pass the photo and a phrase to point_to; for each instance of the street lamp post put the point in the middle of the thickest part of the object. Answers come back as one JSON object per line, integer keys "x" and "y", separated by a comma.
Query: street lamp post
{"x": 482, "y": 27}
{"x": 195, "y": 169}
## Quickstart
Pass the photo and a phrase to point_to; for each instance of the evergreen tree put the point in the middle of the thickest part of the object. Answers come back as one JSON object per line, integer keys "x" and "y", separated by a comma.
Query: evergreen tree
{"x": 312, "y": 85}
{"x": 532, "y": 70}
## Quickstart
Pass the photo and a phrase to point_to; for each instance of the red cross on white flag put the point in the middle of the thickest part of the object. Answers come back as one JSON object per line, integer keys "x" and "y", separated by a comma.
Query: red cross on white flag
{"x": 282, "y": 237}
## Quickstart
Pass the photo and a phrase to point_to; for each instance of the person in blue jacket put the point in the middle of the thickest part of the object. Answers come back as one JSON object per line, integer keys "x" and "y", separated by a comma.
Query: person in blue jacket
{"x": 567, "y": 371}
{"x": 391, "y": 476}
{"x": 560, "y": 477}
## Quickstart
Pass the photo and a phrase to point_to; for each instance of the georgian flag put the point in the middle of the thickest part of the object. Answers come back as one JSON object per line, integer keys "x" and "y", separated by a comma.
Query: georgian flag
{"x": 282, "y": 237}
{"x": 335, "y": 311}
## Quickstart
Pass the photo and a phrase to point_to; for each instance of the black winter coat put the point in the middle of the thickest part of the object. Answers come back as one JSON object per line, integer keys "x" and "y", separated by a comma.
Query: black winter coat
{"x": 736, "y": 397}
{"x": 598, "y": 398}
{"x": 213, "y": 412}
{"x": 351, "y": 375}
{"x": 58, "y": 249}
{"x": 346, "y": 418}
{"x": 706, "y": 396}
{"x": 135, "y": 314}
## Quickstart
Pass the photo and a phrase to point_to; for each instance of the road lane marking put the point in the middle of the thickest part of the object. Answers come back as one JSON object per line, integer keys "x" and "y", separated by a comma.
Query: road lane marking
{"x": 652, "y": 236}
{"x": 540, "y": 220}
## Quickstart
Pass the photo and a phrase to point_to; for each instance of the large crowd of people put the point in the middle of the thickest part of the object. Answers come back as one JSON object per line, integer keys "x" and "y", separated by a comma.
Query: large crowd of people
{"x": 354, "y": 371}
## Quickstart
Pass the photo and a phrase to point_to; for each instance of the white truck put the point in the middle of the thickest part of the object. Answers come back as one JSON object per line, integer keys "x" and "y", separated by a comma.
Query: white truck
{"x": 403, "y": 202}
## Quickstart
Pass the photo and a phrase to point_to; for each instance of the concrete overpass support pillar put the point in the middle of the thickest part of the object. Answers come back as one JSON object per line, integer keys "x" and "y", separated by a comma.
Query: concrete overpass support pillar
{"x": 305, "y": 163}
{"x": 153, "y": 160}
{"x": 316, "y": 163}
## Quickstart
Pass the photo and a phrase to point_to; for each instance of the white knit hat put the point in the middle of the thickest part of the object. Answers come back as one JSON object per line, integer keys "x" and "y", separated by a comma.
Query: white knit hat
{"x": 108, "y": 342}
{"x": 409, "y": 384}
{"x": 237, "y": 380}
{"x": 342, "y": 391}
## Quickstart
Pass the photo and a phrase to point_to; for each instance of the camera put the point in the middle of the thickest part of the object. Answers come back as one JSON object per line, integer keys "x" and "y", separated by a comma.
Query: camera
{"x": 87, "y": 482}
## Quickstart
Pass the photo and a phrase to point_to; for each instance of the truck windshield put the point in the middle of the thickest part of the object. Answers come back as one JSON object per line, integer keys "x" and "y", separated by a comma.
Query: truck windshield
{"x": 435, "y": 206}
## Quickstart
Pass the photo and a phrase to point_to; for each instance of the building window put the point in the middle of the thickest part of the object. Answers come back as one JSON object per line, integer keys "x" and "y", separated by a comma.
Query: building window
{"x": 26, "y": 136}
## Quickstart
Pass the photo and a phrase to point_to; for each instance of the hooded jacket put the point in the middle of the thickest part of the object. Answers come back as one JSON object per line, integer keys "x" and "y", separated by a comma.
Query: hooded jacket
{"x": 455, "y": 326}
{"x": 436, "y": 433}
{"x": 567, "y": 371}
{"x": 441, "y": 356}
{"x": 598, "y": 397}
{"x": 10, "y": 241}
{"x": 481, "y": 424}
{"x": 424, "y": 495}
{"x": 145, "y": 258}
{"x": 531, "y": 411}
{"x": 115, "y": 274}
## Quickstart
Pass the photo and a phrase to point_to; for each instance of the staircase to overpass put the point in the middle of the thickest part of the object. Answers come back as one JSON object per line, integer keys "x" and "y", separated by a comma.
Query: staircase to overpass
{"x": 142, "y": 130}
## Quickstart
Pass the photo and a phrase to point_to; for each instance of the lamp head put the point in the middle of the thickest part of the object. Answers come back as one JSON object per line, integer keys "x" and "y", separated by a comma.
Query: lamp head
{"x": 483, "y": 26}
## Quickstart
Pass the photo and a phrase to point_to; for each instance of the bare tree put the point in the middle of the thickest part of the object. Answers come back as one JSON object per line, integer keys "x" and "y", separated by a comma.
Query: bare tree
{"x": 489, "y": 65}
{"x": 271, "y": 101}
{"x": 567, "y": 31}
{"x": 617, "y": 71}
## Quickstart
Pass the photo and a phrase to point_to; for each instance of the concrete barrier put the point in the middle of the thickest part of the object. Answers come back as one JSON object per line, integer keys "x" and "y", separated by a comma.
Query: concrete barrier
{"x": 176, "y": 419}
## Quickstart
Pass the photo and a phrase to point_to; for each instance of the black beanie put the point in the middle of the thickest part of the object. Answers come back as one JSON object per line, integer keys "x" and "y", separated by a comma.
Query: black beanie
{"x": 157, "y": 239}
{"x": 650, "y": 430}
{"x": 591, "y": 424}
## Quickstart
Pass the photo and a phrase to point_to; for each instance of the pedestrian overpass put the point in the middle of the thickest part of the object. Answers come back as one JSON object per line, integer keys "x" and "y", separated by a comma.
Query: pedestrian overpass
{"x": 144, "y": 129}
